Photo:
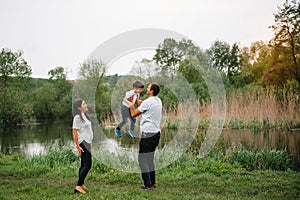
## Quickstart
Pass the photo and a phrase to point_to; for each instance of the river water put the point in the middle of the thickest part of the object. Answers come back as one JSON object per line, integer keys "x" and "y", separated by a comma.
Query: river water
{"x": 38, "y": 138}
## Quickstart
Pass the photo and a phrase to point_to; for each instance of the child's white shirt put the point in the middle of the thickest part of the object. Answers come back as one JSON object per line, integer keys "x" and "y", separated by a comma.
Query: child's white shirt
{"x": 128, "y": 95}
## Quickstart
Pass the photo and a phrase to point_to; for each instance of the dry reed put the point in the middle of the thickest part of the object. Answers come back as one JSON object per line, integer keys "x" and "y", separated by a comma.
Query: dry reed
{"x": 260, "y": 105}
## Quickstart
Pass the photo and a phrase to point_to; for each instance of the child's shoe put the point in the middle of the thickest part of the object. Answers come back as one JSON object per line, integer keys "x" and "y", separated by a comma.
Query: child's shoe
{"x": 132, "y": 134}
{"x": 118, "y": 133}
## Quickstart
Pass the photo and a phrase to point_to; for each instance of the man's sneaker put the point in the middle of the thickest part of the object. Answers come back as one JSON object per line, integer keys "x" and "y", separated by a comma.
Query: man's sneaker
{"x": 118, "y": 133}
{"x": 154, "y": 185}
{"x": 132, "y": 134}
{"x": 145, "y": 188}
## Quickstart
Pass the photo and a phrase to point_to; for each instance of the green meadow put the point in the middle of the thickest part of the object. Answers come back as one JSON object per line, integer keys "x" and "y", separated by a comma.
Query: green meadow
{"x": 54, "y": 175}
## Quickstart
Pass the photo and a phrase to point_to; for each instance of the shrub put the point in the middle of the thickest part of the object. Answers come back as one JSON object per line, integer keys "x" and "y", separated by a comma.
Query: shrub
{"x": 273, "y": 159}
{"x": 264, "y": 159}
{"x": 55, "y": 157}
{"x": 245, "y": 158}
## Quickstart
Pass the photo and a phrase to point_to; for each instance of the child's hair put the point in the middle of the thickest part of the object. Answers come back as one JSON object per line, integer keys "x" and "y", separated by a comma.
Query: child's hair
{"x": 137, "y": 84}
{"x": 76, "y": 111}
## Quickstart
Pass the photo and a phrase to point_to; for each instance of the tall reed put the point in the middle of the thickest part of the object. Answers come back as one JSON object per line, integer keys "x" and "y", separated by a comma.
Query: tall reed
{"x": 281, "y": 109}
{"x": 252, "y": 108}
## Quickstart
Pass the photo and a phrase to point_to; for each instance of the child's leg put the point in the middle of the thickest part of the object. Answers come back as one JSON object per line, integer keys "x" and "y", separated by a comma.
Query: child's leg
{"x": 132, "y": 122}
{"x": 125, "y": 114}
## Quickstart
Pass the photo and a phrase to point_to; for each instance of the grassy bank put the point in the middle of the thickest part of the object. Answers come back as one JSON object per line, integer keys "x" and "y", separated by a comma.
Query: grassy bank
{"x": 54, "y": 176}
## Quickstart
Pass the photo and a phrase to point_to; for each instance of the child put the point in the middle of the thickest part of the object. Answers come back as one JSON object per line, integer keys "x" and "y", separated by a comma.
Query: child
{"x": 133, "y": 97}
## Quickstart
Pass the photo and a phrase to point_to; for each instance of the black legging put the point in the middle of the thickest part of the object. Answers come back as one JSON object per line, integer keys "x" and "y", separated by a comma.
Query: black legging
{"x": 148, "y": 144}
{"x": 86, "y": 162}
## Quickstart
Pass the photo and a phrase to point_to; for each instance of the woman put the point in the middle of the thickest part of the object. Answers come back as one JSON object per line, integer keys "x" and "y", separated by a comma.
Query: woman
{"x": 83, "y": 136}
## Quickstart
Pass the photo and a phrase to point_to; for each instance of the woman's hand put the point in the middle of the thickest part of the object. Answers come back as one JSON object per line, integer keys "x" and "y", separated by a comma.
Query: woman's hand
{"x": 79, "y": 149}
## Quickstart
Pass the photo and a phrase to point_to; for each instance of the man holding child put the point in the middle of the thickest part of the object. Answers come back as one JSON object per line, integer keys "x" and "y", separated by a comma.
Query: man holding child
{"x": 151, "y": 112}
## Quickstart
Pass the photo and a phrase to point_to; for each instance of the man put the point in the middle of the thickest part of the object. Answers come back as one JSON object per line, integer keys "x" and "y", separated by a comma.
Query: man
{"x": 151, "y": 111}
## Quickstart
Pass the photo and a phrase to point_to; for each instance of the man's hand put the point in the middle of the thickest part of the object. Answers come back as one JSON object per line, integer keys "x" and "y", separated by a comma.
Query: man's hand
{"x": 134, "y": 112}
{"x": 131, "y": 105}
{"x": 139, "y": 102}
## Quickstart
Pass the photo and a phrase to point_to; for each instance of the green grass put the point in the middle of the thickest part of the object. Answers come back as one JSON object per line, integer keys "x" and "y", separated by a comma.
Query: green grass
{"x": 189, "y": 177}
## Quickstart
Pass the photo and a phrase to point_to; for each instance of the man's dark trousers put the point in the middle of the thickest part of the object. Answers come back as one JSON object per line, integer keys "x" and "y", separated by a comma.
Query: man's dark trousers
{"x": 148, "y": 144}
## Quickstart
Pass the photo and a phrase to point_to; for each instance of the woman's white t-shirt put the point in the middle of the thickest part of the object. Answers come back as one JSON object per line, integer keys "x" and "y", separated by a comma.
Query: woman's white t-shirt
{"x": 84, "y": 128}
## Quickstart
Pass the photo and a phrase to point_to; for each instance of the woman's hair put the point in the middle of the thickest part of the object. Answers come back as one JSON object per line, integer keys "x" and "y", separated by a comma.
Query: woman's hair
{"x": 76, "y": 111}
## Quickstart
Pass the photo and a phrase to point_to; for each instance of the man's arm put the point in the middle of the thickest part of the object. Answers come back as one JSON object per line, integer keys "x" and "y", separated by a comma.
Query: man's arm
{"x": 134, "y": 112}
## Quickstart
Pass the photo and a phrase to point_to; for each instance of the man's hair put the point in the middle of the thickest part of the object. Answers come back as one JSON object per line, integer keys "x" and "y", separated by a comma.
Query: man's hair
{"x": 155, "y": 88}
{"x": 138, "y": 84}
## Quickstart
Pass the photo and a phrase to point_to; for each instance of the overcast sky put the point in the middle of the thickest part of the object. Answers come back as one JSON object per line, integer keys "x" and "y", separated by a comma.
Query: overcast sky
{"x": 65, "y": 32}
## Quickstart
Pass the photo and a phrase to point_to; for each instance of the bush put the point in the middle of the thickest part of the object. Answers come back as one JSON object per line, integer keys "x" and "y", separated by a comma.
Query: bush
{"x": 55, "y": 157}
{"x": 264, "y": 159}
{"x": 245, "y": 158}
{"x": 55, "y": 160}
{"x": 272, "y": 159}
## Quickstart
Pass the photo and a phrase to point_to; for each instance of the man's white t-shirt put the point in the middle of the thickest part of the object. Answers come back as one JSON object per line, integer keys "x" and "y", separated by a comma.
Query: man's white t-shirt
{"x": 151, "y": 110}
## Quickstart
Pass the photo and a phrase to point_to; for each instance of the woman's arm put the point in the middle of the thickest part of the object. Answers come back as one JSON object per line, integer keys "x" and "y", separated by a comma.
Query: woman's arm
{"x": 75, "y": 137}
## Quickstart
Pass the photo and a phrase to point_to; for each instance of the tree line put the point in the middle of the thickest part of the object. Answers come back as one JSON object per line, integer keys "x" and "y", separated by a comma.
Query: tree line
{"x": 271, "y": 64}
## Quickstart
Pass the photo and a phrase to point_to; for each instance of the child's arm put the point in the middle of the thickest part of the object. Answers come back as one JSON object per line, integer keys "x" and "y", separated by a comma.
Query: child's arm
{"x": 126, "y": 100}
{"x": 128, "y": 97}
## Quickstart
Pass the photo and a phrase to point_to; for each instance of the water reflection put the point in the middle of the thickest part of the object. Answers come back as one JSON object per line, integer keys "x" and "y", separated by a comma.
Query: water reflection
{"x": 36, "y": 139}
{"x": 274, "y": 139}
{"x": 34, "y": 148}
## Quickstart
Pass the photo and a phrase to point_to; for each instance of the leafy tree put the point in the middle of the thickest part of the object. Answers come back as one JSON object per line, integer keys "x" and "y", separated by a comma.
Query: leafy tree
{"x": 90, "y": 86}
{"x": 287, "y": 32}
{"x": 192, "y": 73}
{"x": 63, "y": 94}
{"x": 225, "y": 58}
{"x": 92, "y": 69}
{"x": 279, "y": 70}
{"x": 12, "y": 65}
{"x": 255, "y": 61}
{"x": 90, "y": 75}
{"x": 14, "y": 106}
{"x": 58, "y": 77}
{"x": 57, "y": 73}
{"x": 13, "y": 95}
{"x": 170, "y": 53}
{"x": 44, "y": 102}
{"x": 144, "y": 68}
